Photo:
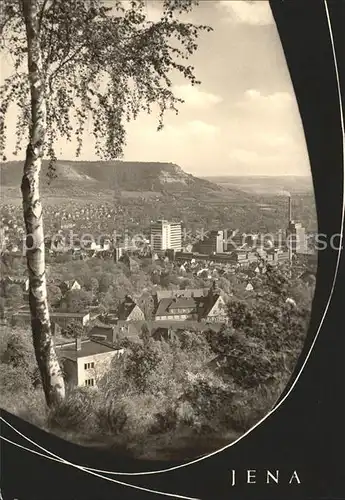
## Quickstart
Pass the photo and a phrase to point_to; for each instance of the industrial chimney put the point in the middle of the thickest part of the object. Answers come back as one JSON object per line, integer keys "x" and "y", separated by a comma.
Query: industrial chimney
{"x": 78, "y": 344}
{"x": 289, "y": 230}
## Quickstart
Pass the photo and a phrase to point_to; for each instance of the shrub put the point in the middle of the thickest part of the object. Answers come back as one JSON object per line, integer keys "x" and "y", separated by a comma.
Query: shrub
{"x": 75, "y": 412}
{"x": 208, "y": 396}
{"x": 141, "y": 361}
{"x": 18, "y": 352}
{"x": 252, "y": 405}
{"x": 22, "y": 400}
{"x": 141, "y": 410}
{"x": 165, "y": 422}
{"x": 177, "y": 415}
{"x": 74, "y": 330}
{"x": 111, "y": 416}
{"x": 14, "y": 380}
{"x": 186, "y": 415}
{"x": 164, "y": 387}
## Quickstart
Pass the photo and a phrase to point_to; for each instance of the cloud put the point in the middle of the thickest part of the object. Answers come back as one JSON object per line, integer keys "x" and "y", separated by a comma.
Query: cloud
{"x": 198, "y": 127}
{"x": 253, "y": 12}
{"x": 265, "y": 147}
{"x": 262, "y": 162}
{"x": 244, "y": 156}
{"x": 195, "y": 97}
{"x": 182, "y": 133}
{"x": 264, "y": 122}
{"x": 185, "y": 143}
{"x": 275, "y": 140}
{"x": 264, "y": 133}
{"x": 253, "y": 99}
{"x": 126, "y": 4}
{"x": 255, "y": 158}
{"x": 153, "y": 12}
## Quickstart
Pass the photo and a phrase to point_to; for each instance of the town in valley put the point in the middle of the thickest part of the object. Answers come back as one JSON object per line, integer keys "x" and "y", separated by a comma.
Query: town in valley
{"x": 162, "y": 278}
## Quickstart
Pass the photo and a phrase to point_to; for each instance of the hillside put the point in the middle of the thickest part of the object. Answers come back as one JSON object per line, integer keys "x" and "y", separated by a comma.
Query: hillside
{"x": 271, "y": 185}
{"x": 148, "y": 191}
{"x": 88, "y": 177}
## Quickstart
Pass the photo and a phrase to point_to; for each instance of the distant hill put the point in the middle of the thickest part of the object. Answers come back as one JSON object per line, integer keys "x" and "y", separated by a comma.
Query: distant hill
{"x": 111, "y": 175}
{"x": 154, "y": 190}
{"x": 272, "y": 185}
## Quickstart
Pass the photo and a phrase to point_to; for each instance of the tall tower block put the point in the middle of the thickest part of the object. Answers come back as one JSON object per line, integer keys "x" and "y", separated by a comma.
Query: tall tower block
{"x": 166, "y": 236}
{"x": 290, "y": 210}
{"x": 289, "y": 231}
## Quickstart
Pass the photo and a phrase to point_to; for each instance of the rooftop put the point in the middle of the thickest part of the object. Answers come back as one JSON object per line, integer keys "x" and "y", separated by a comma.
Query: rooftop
{"x": 21, "y": 279}
{"x": 208, "y": 305}
{"x": 178, "y": 325}
{"x": 103, "y": 330}
{"x": 68, "y": 315}
{"x": 166, "y": 305}
{"x": 182, "y": 302}
{"x": 88, "y": 348}
{"x": 55, "y": 314}
{"x": 126, "y": 307}
{"x": 191, "y": 292}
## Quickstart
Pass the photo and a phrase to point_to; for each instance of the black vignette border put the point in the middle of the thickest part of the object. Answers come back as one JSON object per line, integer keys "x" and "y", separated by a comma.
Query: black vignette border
{"x": 314, "y": 79}
{"x": 306, "y": 432}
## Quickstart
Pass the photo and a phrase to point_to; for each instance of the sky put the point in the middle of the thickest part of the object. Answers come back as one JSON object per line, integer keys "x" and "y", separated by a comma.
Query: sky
{"x": 242, "y": 120}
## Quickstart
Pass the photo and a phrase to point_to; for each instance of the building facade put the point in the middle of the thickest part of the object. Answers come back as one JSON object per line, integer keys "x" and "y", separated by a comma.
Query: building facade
{"x": 85, "y": 362}
{"x": 61, "y": 319}
{"x": 166, "y": 236}
{"x": 216, "y": 311}
{"x": 130, "y": 311}
{"x": 21, "y": 281}
{"x": 296, "y": 238}
{"x": 118, "y": 253}
{"x": 213, "y": 243}
{"x": 177, "y": 309}
{"x": 209, "y": 307}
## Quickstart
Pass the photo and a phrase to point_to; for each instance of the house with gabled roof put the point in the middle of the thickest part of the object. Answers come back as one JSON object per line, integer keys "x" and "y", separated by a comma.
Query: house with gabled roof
{"x": 22, "y": 281}
{"x": 69, "y": 285}
{"x": 63, "y": 319}
{"x": 197, "y": 305}
{"x": 84, "y": 362}
{"x": 130, "y": 311}
{"x": 177, "y": 308}
{"x": 189, "y": 292}
{"x": 214, "y": 310}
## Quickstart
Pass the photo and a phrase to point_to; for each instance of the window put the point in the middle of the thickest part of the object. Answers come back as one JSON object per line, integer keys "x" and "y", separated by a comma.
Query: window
{"x": 90, "y": 382}
{"x": 87, "y": 366}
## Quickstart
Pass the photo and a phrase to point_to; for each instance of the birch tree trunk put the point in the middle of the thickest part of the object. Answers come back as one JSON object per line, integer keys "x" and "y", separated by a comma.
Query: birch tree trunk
{"x": 51, "y": 375}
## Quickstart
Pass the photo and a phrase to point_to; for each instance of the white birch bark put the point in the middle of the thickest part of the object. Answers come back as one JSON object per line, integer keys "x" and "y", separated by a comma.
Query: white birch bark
{"x": 51, "y": 375}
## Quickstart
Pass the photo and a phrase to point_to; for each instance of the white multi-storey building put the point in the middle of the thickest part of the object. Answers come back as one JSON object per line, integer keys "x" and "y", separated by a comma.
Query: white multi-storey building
{"x": 166, "y": 236}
